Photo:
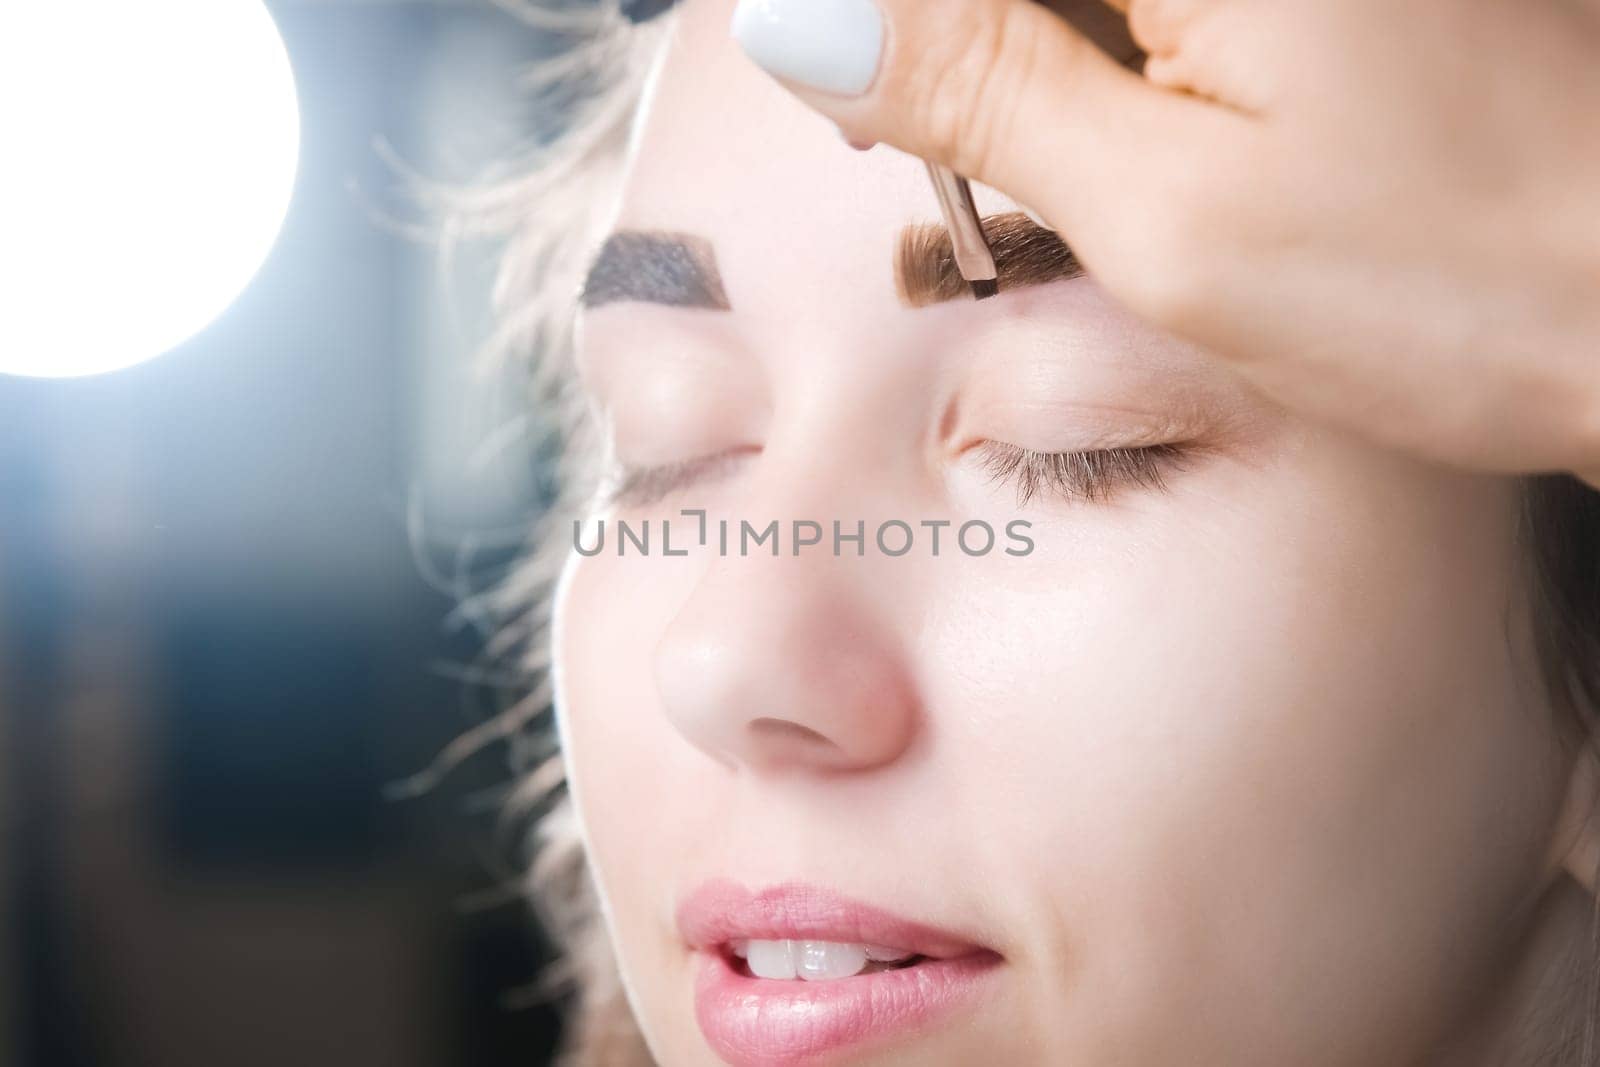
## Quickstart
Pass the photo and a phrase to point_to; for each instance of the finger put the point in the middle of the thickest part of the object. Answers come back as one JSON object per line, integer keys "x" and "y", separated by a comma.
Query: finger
{"x": 1002, "y": 91}
{"x": 1160, "y": 26}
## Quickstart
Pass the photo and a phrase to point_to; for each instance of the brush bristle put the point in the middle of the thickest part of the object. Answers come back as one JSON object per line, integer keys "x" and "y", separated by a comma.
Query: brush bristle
{"x": 985, "y": 288}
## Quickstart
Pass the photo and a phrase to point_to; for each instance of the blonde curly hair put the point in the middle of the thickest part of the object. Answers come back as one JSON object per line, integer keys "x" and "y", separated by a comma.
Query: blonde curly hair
{"x": 550, "y": 207}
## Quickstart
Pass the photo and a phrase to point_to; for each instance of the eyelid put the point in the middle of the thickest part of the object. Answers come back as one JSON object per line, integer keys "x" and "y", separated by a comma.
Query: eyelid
{"x": 1073, "y": 431}
{"x": 1052, "y": 410}
{"x": 641, "y": 486}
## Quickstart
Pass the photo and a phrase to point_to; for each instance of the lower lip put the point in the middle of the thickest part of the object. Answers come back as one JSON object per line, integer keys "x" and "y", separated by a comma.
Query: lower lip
{"x": 763, "y": 1022}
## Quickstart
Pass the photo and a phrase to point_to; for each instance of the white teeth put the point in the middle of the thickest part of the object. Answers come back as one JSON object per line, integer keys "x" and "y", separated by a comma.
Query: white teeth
{"x": 772, "y": 959}
{"x": 812, "y": 961}
{"x": 822, "y": 960}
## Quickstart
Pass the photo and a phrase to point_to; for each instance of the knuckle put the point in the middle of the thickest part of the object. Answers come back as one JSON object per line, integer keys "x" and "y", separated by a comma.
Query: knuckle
{"x": 969, "y": 90}
{"x": 1167, "y": 290}
{"x": 1158, "y": 25}
{"x": 1168, "y": 275}
{"x": 1202, "y": 221}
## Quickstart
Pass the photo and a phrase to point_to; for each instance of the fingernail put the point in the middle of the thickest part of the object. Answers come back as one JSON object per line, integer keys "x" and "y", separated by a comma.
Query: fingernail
{"x": 829, "y": 45}
{"x": 858, "y": 145}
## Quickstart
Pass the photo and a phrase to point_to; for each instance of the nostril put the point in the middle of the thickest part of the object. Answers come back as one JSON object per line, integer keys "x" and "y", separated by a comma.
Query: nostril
{"x": 784, "y": 730}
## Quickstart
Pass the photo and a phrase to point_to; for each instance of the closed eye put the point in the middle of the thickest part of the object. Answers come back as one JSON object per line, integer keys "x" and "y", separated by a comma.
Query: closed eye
{"x": 1087, "y": 476}
{"x": 639, "y": 487}
{"x": 1091, "y": 476}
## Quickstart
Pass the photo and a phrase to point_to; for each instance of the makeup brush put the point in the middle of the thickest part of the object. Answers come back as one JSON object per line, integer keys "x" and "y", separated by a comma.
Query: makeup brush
{"x": 973, "y": 257}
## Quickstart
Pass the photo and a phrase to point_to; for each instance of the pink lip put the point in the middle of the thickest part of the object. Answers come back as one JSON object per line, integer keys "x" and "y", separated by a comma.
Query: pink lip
{"x": 756, "y": 1022}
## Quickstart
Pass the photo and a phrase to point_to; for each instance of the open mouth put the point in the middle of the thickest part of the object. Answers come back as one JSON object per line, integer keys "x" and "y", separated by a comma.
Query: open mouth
{"x": 813, "y": 961}
{"x": 792, "y": 972}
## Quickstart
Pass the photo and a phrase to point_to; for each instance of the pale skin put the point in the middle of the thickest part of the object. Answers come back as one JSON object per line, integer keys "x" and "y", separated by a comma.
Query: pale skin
{"x": 1252, "y": 769}
{"x": 1384, "y": 215}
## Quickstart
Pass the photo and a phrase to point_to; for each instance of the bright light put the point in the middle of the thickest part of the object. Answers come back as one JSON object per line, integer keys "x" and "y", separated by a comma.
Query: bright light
{"x": 147, "y": 155}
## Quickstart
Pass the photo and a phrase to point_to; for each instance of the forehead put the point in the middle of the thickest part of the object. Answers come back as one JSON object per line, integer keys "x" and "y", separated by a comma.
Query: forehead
{"x": 789, "y": 207}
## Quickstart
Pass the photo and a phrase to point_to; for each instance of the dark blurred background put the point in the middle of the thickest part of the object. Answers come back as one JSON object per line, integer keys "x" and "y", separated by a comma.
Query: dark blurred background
{"x": 222, "y": 632}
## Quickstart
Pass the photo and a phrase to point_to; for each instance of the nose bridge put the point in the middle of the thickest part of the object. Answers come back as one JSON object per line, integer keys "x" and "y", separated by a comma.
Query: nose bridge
{"x": 799, "y": 661}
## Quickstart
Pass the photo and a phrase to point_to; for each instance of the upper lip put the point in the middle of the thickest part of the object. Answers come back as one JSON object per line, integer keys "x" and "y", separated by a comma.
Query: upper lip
{"x": 720, "y": 911}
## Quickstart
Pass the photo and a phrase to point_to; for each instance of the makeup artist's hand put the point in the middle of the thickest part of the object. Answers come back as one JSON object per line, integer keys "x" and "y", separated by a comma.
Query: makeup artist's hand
{"x": 1386, "y": 214}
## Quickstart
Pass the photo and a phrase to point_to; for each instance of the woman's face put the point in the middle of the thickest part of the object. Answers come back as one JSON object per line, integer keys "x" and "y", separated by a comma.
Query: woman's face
{"x": 1247, "y": 766}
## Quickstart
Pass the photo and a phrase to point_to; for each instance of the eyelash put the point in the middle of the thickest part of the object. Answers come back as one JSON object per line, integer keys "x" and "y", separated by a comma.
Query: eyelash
{"x": 1091, "y": 476}
{"x": 1088, "y": 476}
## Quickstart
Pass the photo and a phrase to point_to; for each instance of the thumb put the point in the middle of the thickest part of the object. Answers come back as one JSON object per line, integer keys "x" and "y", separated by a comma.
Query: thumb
{"x": 1004, "y": 92}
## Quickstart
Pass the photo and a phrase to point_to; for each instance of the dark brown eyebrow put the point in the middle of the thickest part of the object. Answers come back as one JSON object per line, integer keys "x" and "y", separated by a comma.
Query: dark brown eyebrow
{"x": 680, "y": 269}
{"x": 676, "y": 269}
{"x": 1025, "y": 253}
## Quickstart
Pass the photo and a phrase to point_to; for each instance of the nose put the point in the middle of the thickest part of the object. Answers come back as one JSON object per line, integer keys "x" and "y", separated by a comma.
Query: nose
{"x": 788, "y": 664}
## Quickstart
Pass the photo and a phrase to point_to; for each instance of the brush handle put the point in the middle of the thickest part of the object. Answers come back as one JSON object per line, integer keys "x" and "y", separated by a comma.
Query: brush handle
{"x": 973, "y": 257}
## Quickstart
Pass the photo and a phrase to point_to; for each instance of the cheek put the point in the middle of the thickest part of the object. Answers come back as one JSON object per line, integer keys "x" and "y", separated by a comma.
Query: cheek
{"x": 632, "y": 778}
{"x": 1265, "y": 752}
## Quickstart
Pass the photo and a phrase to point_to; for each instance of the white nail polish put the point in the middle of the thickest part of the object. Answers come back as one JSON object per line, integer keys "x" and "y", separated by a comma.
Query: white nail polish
{"x": 829, "y": 45}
